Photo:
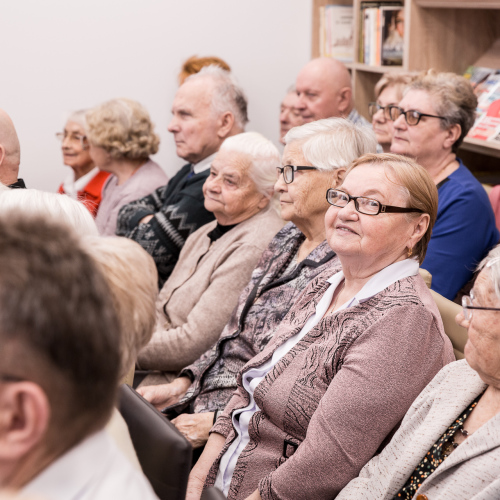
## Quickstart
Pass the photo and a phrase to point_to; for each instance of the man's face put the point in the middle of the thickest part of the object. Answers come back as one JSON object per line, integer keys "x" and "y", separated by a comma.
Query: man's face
{"x": 289, "y": 114}
{"x": 318, "y": 96}
{"x": 194, "y": 124}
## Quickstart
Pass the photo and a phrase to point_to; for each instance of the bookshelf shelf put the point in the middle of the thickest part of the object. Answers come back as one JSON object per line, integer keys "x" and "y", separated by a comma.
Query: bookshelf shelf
{"x": 447, "y": 35}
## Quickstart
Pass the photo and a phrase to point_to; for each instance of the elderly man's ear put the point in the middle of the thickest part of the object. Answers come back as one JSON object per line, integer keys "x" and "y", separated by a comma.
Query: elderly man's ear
{"x": 225, "y": 123}
{"x": 344, "y": 97}
{"x": 24, "y": 419}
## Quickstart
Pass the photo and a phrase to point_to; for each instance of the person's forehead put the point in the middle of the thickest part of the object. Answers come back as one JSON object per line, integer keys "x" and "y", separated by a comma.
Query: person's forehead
{"x": 194, "y": 94}
{"x": 73, "y": 127}
{"x": 232, "y": 162}
{"x": 290, "y": 99}
{"x": 419, "y": 100}
{"x": 293, "y": 155}
{"x": 360, "y": 180}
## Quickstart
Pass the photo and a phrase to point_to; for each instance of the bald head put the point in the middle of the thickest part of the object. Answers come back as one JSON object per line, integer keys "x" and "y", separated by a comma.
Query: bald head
{"x": 324, "y": 90}
{"x": 10, "y": 151}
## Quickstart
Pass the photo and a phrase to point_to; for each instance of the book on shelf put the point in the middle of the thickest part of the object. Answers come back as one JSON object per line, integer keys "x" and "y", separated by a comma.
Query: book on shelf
{"x": 487, "y": 127}
{"x": 337, "y": 32}
{"x": 381, "y": 33}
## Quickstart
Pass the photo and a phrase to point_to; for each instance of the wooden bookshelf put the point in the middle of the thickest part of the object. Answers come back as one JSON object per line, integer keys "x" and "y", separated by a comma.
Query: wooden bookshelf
{"x": 447, "y": 35}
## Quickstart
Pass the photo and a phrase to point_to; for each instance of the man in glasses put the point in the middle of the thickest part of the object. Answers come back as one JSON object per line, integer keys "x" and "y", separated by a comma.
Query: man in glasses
{"x": 10, "y": 153}
{"x": 59, "y": 362}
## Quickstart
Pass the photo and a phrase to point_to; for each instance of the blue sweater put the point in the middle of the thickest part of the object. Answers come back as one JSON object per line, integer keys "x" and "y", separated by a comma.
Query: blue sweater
{"x": 464, "y": 232}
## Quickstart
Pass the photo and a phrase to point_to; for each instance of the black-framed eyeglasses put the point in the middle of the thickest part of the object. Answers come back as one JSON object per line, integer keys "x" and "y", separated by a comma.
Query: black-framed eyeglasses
{"x": 363, "y": 205}
{"x": 412, "y": 116}
{"x": 467, "y": 306}
{"x": 375, "y": 107}
{"x": 288, "y": 171}
{"x": 82, "y": 139}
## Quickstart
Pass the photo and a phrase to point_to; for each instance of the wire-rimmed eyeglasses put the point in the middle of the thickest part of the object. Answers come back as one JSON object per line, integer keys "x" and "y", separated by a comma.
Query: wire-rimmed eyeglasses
{"x": 467, "y": 306}
{"x": 363, "y": 205}
{"x": 375, "y": 107}
{"x": 412, "y": 116}
{"x": 288, "y": 171}
{"x": 82, "y": 139}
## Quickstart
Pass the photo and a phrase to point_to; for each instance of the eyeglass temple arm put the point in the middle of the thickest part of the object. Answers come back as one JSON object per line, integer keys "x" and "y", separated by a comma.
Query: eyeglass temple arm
{"x": 386, "y": 208}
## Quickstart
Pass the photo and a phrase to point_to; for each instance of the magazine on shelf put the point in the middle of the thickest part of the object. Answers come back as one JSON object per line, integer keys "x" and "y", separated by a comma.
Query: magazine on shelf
{"x": 392, "y": 19}
{"x": 337, "y": 32}
{"x": 487, "y": 127}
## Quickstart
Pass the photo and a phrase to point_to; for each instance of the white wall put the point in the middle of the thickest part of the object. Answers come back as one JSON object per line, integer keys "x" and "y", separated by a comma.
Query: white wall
{"x": 62, "y": 55}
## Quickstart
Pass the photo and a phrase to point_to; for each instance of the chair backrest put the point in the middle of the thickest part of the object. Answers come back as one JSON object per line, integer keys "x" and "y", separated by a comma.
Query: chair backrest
{"x": 212, "y": 493}
{"x": 456, "y": 333}
{"x": 163, "y": 452}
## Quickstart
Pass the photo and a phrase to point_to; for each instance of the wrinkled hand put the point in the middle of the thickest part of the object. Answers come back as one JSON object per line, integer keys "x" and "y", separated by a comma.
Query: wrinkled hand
{"x": 195, "y": 427}
{"x": 164, "y": 395}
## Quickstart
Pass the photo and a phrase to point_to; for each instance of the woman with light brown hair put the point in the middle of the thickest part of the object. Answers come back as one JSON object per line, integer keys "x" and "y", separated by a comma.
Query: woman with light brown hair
{"x": 388, "y": 91}
{"x": 122, "y": 138}
{"x": 348, "y": 359}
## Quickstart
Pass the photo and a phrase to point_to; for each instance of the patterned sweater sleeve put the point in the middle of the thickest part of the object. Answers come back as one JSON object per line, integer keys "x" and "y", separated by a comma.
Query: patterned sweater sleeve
{"x": 165, "y": 234}
{"x": 382, "y": 372}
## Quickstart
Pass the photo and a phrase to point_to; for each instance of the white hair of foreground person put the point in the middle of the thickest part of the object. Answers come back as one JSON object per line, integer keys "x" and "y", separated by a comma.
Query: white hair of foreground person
{"x": 333, "y": 142}
{"x": 54, "y": 206}
{"x": 264, "y": 158}
{"x": 492, "y": 264}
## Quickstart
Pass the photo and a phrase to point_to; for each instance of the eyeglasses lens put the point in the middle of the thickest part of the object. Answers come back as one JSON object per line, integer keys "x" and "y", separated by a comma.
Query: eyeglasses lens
{"x": 467, "y": 302}
{"x": 288, "y": 174}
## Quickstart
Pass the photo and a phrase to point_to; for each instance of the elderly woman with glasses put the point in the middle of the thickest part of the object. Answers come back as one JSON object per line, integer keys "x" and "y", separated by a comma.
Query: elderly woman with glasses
{"x": 388, "y": 92}
{"x": 348, "y": 359}
{"x": 448, "y": 445}
{"x": 86, "y": 181}
{"x": 430, "y": 123}
{"x": 121, "y": 140}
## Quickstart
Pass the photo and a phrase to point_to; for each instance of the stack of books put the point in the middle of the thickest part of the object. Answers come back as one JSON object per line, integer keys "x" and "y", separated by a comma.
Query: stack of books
{"x": 381, "y": 33}
{"x": 336, "y": 33}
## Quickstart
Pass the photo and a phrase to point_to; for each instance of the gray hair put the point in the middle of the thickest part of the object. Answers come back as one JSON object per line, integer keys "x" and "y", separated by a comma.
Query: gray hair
{"x": 53, "y": 206}
{"x": 264, "y": 157}
{"x": 333, "y": 142}
{"x": 78, "y": 117}
{"x": 492, "y": 263}
{"x": 454, "y": 100}
{"x": 227, "y": 94}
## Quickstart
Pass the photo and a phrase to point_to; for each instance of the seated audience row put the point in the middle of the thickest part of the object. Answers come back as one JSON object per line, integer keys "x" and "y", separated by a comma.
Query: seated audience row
{"x": 293, "y": 258}
{"x": 217, "y": 260}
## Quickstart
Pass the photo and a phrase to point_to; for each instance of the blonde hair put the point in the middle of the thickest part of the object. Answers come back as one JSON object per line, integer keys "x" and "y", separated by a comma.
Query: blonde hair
{"x": 132, "y": 277}
{"x": 194, "y": 64}
{"x": 417, "y": 186}
{"x": 398, "y": 80}
{"x": 123, "y": 128}
{"x": 453, "y": 99}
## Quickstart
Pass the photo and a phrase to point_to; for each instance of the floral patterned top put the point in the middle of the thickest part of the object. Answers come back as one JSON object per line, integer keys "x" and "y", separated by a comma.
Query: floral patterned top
{"x": 440, "y": 450}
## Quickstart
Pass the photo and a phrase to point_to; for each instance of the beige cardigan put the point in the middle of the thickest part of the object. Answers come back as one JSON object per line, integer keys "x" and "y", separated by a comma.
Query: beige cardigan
{"x": 196, "y": 301}
{"x": 472, "y": 471}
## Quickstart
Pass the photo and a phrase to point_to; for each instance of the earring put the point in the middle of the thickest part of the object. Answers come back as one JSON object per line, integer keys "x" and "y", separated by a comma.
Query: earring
{"x": 410, "y": 252}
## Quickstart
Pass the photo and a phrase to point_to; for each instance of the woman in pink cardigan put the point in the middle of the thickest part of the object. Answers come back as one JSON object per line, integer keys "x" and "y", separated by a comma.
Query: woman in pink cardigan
{"x": 348, "y": 359}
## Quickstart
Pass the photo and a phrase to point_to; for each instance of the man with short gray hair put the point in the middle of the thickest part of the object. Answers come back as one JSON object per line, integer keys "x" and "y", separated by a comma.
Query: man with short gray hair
{"x": 208, "y": 107}
{"x": 59, "y": 368}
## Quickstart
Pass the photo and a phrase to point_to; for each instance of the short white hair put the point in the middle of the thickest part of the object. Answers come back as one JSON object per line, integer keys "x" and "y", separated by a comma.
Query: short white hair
{"x": 264, "y": 159}
{"x": 333, "y": 142}
{"x": 227, "y": 94}
{"x": 59, "y": 207}
{"x": 78, "y": 117}
{"x": 492, "y": 264}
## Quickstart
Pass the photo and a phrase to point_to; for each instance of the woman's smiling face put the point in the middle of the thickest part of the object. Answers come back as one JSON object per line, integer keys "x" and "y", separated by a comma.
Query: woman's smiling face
{"x": 370, "y": 239}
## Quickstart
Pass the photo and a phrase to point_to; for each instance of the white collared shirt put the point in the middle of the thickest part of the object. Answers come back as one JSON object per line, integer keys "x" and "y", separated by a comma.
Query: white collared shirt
{"x": 71, "y": 187}
{"x": 252, "y": 377}
{"x": 93, "y": 470}
{"x": 204, "y": 164}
